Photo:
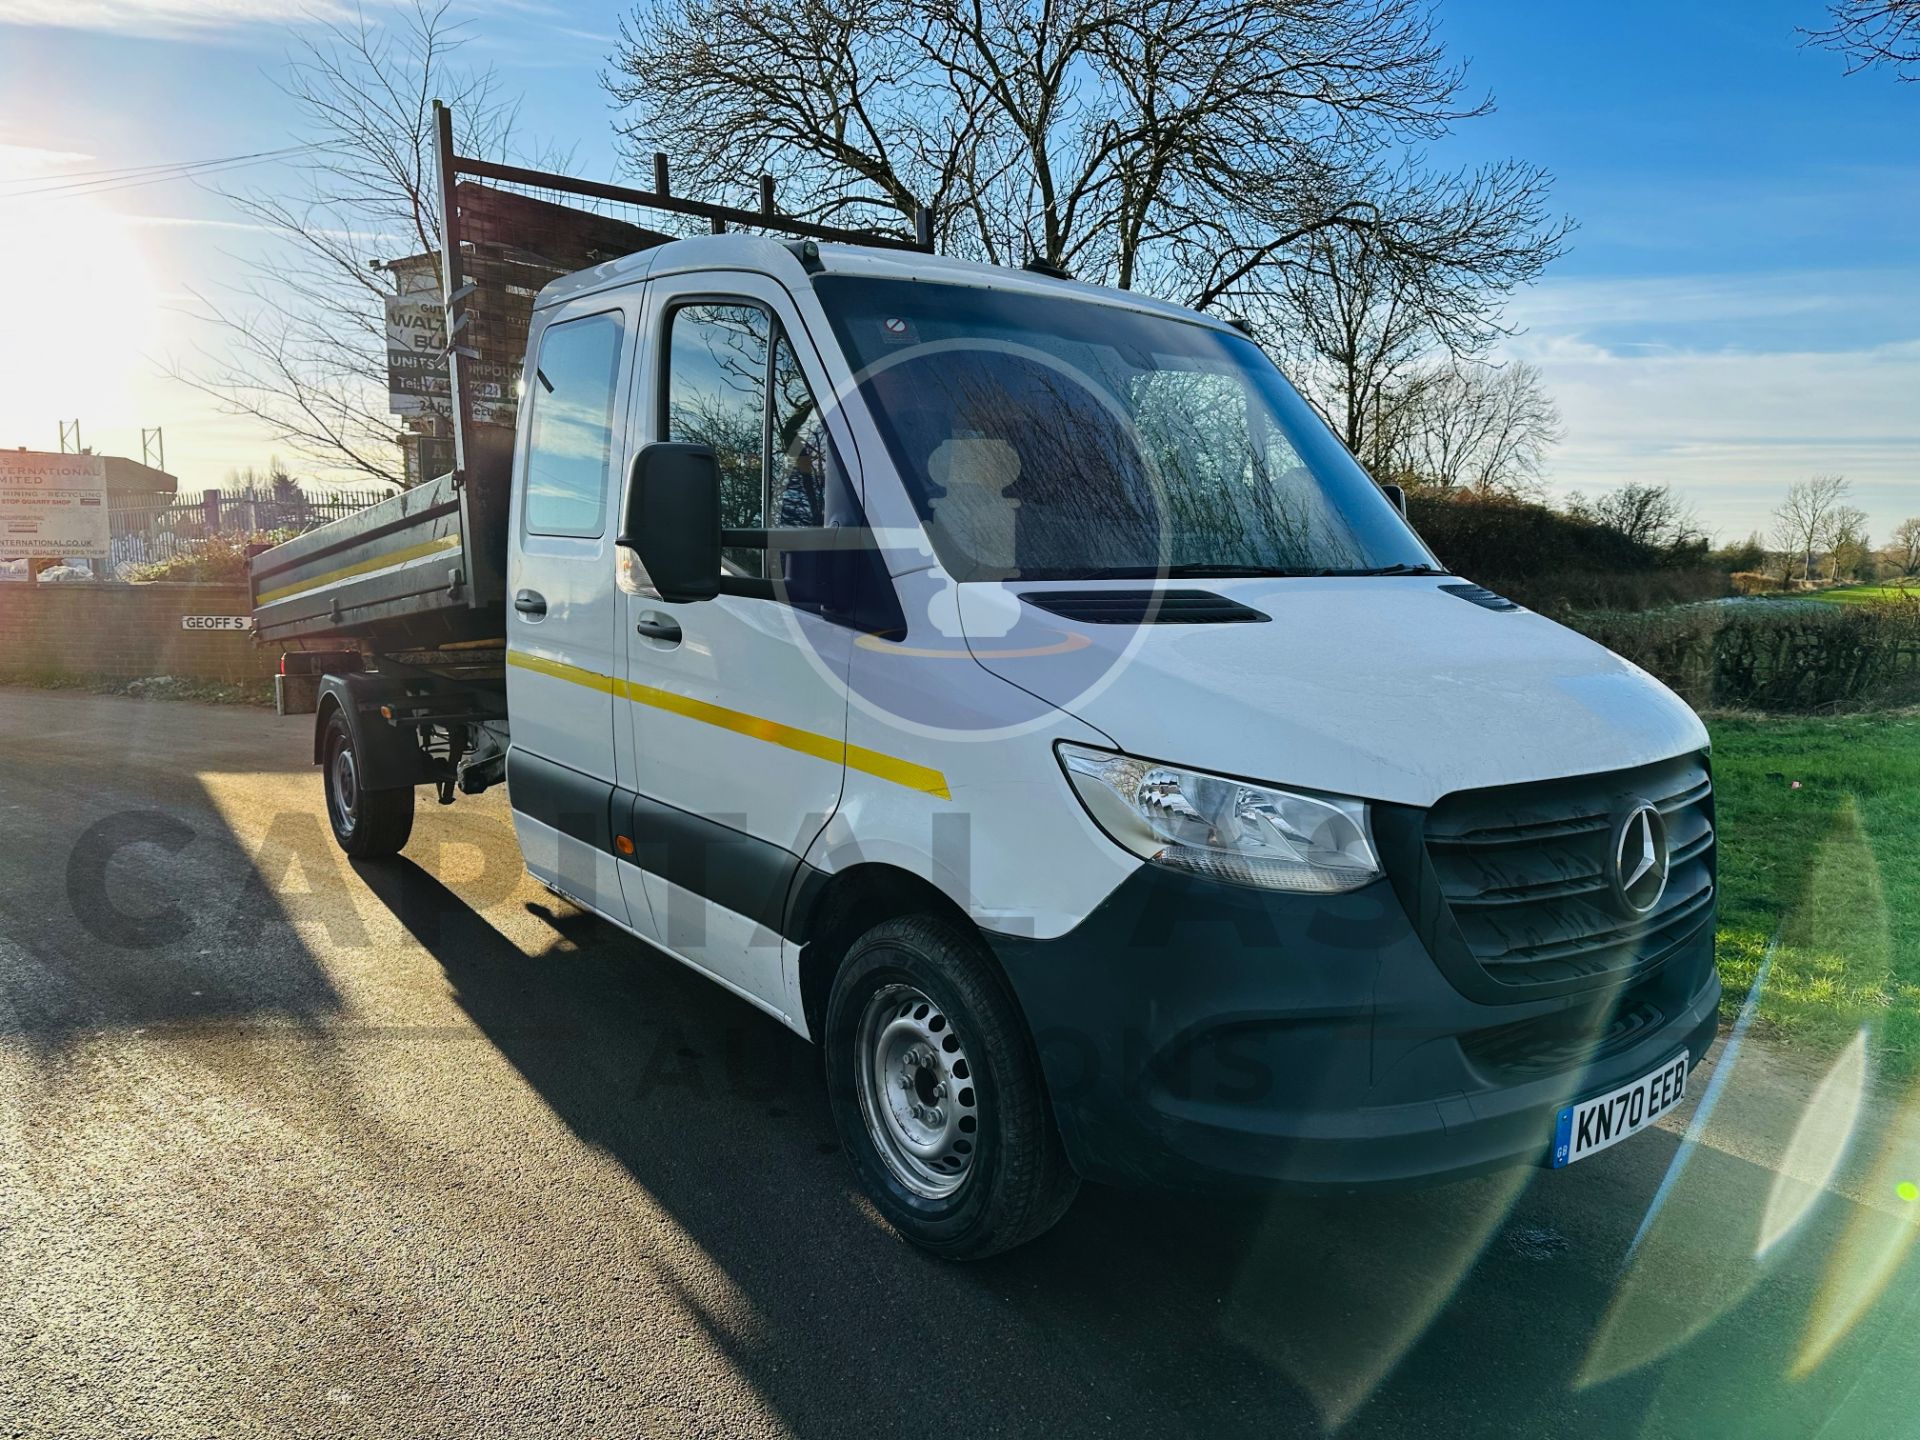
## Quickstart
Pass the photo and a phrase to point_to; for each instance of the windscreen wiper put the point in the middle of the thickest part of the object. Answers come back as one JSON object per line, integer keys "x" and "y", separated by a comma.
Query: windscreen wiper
{"x": 1390, "y": 570}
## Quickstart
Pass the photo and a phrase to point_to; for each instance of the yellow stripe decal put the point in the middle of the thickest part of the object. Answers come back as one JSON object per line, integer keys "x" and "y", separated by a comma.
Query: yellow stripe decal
{"x": 392, "y": 560}
{"x": 806, "y": 742}
{"x": 560, "y": 670}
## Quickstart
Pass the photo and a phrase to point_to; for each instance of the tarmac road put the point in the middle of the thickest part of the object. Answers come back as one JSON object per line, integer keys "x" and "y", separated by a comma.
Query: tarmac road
{"x": 290, "y": 1146}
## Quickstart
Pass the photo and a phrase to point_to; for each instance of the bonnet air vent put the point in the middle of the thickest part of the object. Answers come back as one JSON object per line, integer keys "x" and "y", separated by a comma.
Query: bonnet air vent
{"x": 1143, "y": 607}
{"x": 1481, "y": 596}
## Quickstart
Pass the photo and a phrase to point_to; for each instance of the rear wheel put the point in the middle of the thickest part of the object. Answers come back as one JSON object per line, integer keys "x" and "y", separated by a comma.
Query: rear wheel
{"x": 366, "y": 823}
{"x": 937, "y": 1092}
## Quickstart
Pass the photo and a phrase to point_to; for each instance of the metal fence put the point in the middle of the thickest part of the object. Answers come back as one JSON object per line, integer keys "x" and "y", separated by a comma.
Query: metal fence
{"x": 147, "y": 535}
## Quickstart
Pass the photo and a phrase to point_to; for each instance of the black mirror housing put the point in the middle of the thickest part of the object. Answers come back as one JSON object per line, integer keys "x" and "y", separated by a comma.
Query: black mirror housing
{"x": 672, "y": 519}
{"x": 1398, "y": 495}
{"x": 847, "y": 584}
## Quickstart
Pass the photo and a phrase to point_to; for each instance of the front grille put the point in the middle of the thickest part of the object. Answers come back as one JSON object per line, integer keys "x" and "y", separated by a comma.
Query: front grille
{"x": 1523, "y": 872}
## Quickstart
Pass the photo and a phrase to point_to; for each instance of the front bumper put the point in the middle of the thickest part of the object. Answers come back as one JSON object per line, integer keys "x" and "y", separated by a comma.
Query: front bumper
{"x": 1195, "y": 1033}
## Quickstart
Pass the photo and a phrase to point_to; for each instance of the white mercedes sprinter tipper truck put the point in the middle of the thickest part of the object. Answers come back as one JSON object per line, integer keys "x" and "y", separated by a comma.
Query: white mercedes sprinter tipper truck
{"x": 1013, "y": 686}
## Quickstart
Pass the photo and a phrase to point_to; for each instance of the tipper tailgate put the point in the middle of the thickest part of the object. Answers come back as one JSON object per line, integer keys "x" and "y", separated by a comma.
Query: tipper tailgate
{"x": 400, "y": 565}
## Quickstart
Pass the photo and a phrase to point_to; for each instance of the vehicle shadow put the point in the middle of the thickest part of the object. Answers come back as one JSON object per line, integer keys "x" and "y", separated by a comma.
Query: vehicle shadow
{"x": 1140, "y": 1313}
{"x": 132, "y": 900}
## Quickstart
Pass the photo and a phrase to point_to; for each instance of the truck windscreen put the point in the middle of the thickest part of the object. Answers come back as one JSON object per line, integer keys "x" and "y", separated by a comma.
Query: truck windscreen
{"x": 1053, "y": 438}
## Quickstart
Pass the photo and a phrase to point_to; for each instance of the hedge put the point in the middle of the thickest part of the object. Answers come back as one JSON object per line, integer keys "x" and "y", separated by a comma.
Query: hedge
{"x": 1554, "y": 562}
{"x": 220, "y": 558}
{"x": 1569, "y": 593}
{"x": 1772, "y": 655}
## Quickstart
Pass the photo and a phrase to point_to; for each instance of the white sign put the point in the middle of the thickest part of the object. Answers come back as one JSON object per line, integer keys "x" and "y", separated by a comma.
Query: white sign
{"x": 417, "y": 382}
{"x": 416, "y": 356}
{"x": 216, "y": 622}
{"x": 53, "y": 505}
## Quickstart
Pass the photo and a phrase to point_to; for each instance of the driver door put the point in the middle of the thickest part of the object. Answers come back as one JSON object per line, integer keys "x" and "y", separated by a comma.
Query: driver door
{"x": 739, "y": 706}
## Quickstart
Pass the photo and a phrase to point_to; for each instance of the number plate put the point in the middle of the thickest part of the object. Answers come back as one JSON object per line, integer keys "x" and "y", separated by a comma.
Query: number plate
{"x": 1590, "y": 1126}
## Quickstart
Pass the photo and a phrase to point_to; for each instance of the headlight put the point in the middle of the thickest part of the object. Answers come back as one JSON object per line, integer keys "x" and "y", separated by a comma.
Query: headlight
{"x": 1225, "y": 829}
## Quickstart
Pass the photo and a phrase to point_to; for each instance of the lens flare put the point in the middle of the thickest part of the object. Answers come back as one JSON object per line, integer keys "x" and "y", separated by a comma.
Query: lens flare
{"x": 1873, "y": 1247}
{"x": 1819, "y": 1141}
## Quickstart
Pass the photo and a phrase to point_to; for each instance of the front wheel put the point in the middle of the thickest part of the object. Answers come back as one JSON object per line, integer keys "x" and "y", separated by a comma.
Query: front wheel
{"x": 937, "y": 1093}
{"x": 366, "y": 823}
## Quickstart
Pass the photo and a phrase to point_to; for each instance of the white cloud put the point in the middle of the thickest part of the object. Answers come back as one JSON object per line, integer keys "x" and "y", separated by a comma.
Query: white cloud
{"x": 1585, "y": 303}
{"x": 189, "y": 222}
{"x": 162, "y": 17}
{"x": 27, "y": 162}
{"x": 1731, "y": 386}
{"x": 1731, "y": 429}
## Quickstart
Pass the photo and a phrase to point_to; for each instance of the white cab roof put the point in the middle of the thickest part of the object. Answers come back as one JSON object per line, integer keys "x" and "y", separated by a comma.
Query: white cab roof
{"x": 764, "y": 256}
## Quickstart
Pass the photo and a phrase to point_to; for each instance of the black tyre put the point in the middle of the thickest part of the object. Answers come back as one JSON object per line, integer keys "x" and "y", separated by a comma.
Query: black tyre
{"x": 366, "y": 823}
{"x": 937, "y": 1092}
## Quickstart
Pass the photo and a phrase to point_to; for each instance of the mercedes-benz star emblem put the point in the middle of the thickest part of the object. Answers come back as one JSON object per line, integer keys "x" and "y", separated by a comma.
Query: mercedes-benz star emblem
{"x": 1638, "y": 859}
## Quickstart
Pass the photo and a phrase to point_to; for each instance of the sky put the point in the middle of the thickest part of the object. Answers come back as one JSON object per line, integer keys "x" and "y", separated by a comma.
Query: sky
{"x": 1740, "y": 307}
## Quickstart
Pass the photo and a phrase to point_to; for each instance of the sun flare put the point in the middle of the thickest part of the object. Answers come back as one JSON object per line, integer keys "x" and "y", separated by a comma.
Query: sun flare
{"x": 79, "y": 319}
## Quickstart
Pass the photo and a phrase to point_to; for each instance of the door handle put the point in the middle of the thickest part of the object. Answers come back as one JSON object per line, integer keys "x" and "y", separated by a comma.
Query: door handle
{"x": 656, "y": 626}
{"x": 530, "y": 602}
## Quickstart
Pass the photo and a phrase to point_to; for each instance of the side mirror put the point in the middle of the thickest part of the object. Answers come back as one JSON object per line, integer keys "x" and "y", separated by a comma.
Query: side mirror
{"x": 1398, "y": 495}
{"x": 672, "y": 520}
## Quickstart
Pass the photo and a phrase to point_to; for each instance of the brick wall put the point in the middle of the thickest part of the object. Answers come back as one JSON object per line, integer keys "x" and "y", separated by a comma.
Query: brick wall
{"x": 78, "y": 631}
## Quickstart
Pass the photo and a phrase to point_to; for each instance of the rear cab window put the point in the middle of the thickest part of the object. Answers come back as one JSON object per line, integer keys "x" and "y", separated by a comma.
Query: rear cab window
{"x": 573, "y": 390}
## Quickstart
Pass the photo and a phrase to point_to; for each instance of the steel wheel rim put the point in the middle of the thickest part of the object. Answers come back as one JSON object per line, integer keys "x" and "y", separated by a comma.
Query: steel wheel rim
{"x": 346, "y": 785}
{"x": 917, "y": 1090}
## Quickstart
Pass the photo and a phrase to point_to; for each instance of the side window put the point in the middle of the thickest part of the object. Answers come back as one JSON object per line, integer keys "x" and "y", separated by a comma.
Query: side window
{"x": 570, "y": 445}
{"x": 716, "y": 395}
{"x": 802, "y": 452}
{"x": 735, "y": 383}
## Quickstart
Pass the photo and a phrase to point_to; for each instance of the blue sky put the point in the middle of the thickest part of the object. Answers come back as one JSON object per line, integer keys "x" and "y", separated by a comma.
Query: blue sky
{"x": 1741, "y": 306}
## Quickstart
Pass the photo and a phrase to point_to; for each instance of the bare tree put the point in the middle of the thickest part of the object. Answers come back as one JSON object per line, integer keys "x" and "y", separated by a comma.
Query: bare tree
{"x": 301, "y": 336}
{"x": 1473, "y": 427}
{"x": 1803, "y": 525}
{"x": 1651, "y": 515}
{"x": 1874, "y": 33}
{"x": 1848, "y": 542}
{"x": 1905, "y": 549}
{"x": 1178, "y": 146}
{"x": 1353, "y": 334}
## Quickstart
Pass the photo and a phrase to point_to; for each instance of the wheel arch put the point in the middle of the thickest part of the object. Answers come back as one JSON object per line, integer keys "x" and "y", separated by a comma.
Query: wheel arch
{"x": 323, "y": 714}
{"x": 832, "y": 911}
{"x": 389, "y": 758}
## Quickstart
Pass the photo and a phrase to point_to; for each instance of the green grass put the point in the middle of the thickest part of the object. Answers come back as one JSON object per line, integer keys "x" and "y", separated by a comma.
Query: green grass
{"x": 1868, "y": 594}
{"x": 1833, "y": 864}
